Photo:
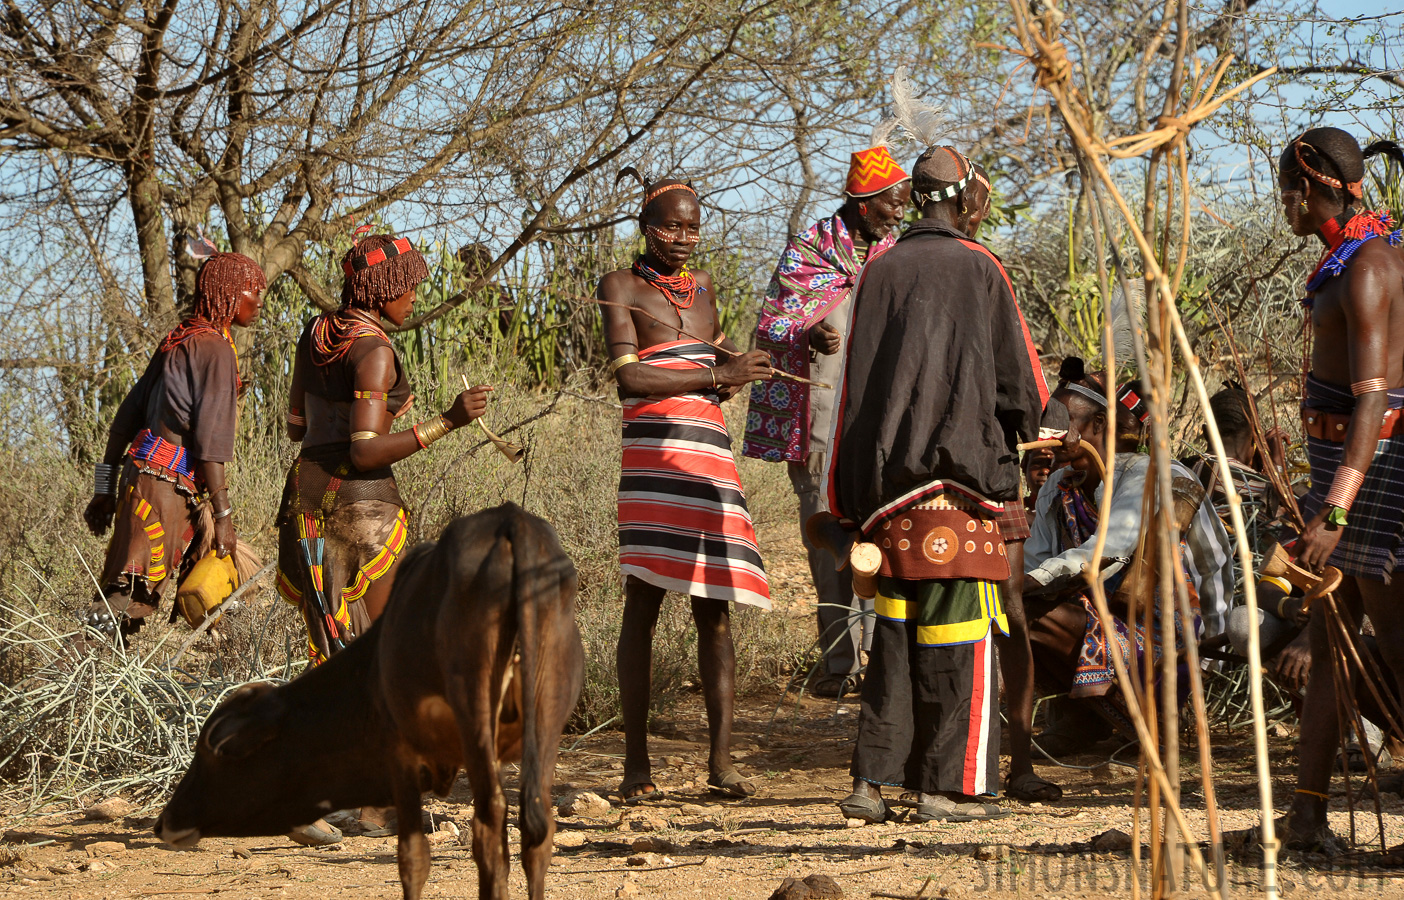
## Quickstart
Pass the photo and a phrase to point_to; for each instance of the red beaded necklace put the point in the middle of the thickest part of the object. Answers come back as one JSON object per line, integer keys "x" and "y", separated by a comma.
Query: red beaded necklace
{"x": 680, "y": 289}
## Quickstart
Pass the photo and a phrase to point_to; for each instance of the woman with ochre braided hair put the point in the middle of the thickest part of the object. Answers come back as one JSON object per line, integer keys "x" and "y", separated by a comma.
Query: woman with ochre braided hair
{"x": 162, "y": 476}
{"x": 342, "y": 525}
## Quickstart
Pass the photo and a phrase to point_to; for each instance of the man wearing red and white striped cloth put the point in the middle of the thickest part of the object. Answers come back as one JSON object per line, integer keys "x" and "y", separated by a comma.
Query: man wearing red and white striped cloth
{"x": 683, "y": 521}
{"x": 940, "y": 384}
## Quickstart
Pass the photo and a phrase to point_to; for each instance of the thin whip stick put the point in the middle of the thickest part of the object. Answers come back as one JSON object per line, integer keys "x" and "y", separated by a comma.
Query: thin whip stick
{"x": 775, "y": 373}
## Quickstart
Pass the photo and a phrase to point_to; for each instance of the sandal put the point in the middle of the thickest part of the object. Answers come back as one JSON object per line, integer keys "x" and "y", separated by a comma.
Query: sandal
{"x": 944, "y": 809}
{"x": 866, "y": 809}
{"x": 834, "y": 687}
{"x": 1029, "y": 788}
{"x": 317, "y": 834}
{"x": 631, "y": 799}
{"x": 731, "y": 784}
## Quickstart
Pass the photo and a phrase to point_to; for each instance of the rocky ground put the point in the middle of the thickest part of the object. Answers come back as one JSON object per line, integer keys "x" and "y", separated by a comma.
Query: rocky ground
{"x": 697, "y": 846}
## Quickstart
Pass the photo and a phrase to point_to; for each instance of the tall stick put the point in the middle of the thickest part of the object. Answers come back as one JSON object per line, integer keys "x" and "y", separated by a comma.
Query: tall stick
{"x": 1040, "y": 43}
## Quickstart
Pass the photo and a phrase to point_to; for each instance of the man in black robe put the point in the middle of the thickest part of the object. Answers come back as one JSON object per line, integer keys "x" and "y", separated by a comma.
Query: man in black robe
{"x": 941, "y": 383}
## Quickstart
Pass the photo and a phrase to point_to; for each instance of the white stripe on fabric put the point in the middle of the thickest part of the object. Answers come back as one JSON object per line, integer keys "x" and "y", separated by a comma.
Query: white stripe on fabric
{"x": 982, "y": 748}
{"x": 693, "y": 589}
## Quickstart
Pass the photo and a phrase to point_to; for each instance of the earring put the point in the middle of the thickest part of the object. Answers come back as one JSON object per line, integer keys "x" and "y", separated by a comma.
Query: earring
{"x": 862, "y": 209}
{"x": 1305, "y": 208}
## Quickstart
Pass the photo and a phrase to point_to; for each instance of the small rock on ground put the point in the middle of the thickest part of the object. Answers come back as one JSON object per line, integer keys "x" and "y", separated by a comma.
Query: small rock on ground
{"x": 104, "y": 848}
{"x": 811, "y": 887}
{"x": 1111, "y": 841}
{"x": 584, "y": 803}
{"x": 109, "y": 810}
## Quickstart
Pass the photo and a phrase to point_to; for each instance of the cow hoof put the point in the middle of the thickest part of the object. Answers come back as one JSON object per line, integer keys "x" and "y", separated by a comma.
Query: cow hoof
{"x": 318, "y": 834}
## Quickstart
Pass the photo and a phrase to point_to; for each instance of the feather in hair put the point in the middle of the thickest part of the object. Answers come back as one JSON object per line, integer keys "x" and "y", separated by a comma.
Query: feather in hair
{"x": 200, "y": 247}
{"x": 882, "y": 132}
{"x": 1125, "y": 315}
{"x": 923, "y": 122}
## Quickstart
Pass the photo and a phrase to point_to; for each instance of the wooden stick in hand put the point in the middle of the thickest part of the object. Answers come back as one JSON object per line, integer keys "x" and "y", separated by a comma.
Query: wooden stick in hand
{"x": 513, "y": 452}
{"x": 776, "y": 373}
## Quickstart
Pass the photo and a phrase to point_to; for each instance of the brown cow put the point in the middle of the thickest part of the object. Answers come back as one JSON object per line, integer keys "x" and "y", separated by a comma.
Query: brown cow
{"x": 477, "y": 659}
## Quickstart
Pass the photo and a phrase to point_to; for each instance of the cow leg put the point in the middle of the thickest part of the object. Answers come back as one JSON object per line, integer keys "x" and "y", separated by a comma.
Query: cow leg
{"x": 555, "y": 701}
{"x": 489, "y": 825}
{"x": 474, "y": 699}
{"x": 413, "y": 846}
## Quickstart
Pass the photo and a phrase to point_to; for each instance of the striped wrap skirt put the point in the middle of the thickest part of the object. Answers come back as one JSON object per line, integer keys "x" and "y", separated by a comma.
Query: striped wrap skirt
{"x": 683, "y": 521}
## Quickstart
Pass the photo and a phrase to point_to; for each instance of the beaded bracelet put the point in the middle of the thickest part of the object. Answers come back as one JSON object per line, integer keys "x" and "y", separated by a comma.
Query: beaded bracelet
{"x": 295, "y": 416}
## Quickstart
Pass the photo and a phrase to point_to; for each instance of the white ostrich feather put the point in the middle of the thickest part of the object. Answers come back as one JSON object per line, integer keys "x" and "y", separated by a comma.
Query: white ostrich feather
{"x": 925, "y": 123}
{"x": 882, "y": 132}
{"x": 1124, "y": 316}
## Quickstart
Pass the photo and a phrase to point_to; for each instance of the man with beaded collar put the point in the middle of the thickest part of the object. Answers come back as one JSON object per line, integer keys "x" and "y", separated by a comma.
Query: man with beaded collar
{"x": 1354, "y": 427}
{"x": 162, "y": 476}
{"x": 788, "y": 421}
{"x": 683, "y": 521}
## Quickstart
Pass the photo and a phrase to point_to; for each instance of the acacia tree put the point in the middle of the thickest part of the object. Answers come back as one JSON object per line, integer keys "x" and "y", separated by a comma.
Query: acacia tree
{"x": 288, "y": 124}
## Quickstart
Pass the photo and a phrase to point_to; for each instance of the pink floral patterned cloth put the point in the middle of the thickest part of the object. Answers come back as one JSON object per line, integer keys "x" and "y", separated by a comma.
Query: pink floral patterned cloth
{"x": 815, "y": 274}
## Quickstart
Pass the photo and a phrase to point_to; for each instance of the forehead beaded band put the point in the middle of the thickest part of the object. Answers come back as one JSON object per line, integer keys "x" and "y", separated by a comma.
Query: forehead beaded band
{"x": 378, "y": 255}
{"x": 922, "y": 197}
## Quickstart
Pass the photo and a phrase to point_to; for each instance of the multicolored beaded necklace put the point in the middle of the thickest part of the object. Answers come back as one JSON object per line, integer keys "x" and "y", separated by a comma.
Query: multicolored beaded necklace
{"x": 333, "y": 334}
{"x": 1343, "y": 242}
{"x": 680, "y": 289}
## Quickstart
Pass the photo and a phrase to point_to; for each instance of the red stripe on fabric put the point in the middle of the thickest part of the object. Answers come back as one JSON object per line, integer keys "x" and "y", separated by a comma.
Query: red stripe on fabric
{"x": 658, "y": 348}
{"x": 646, "y": 460}
{"x": 712, "y": 523}
{"x": 677, "y": 411}
{"x": 977, "y": 720}
{"x": 1034, "y": 365}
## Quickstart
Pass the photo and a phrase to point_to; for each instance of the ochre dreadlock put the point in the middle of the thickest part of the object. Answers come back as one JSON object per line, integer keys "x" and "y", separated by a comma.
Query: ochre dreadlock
{"x": 374, "y": 279}
{"x": 219, "y": 282}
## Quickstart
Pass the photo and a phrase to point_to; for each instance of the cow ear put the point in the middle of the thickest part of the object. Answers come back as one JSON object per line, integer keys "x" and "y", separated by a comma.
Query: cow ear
{"x": 247, "y": 721}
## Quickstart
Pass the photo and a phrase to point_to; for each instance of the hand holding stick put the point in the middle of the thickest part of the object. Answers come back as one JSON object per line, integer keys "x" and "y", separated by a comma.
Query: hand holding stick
{"x": 775, "y": 373}
{"x": 1086, "y": 447}
{"x": 513, "y": 452}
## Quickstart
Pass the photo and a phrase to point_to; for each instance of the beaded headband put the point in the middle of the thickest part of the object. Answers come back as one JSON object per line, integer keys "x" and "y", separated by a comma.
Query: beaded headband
{"x": 922, "y": 198}
{"x": 1353, "y": 187}
{"x": 652, "y": 195}
{"x": 378, "y": 255}
{"x": 1126, "y": 395}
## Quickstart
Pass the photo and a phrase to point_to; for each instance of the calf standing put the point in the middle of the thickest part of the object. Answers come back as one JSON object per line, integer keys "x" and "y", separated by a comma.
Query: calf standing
{"x": 476, "y": 661}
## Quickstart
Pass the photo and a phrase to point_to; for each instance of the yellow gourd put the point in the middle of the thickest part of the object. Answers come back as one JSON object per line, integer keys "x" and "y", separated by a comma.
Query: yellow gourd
{"x": 209, "y": 582}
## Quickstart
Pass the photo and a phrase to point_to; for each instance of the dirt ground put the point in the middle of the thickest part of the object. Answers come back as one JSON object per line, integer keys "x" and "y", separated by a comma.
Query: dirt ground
{"x": 693, "y": 845}
{"x": 696, "y": 846}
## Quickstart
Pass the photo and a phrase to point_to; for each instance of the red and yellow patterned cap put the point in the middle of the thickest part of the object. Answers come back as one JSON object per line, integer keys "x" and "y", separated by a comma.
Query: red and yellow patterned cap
{"x": 873, "y": 171}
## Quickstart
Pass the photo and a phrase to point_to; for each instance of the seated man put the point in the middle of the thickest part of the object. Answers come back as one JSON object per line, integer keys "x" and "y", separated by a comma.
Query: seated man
{"x": 1071, "y": 652}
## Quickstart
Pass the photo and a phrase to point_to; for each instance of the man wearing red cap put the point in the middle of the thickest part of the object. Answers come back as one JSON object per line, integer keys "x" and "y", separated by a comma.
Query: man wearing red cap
{"x": 789, "y": 422}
